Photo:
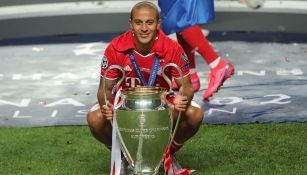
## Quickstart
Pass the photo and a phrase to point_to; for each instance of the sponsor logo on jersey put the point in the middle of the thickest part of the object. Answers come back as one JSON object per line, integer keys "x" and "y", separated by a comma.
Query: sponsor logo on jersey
{"x": 127, "y": 68}
{"x": 185, "y": 67}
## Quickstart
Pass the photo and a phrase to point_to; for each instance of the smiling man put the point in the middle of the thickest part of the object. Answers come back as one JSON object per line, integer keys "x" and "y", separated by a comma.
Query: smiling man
{"x": 138, "y": 51}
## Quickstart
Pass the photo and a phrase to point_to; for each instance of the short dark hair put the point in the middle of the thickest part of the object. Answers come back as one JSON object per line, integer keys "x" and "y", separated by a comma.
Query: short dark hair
{"x": 145, "y": 4}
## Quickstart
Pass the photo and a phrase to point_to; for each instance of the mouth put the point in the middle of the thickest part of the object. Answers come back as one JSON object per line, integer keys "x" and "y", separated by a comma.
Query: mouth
{"x": 144, "y": 35}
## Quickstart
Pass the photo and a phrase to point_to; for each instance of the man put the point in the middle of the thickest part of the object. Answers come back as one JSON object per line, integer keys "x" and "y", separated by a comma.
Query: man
{"x": 145, "y": 43}
{"x": 183, "y": 18}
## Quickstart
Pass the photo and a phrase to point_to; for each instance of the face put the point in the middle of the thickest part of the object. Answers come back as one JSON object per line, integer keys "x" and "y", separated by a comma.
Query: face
{"x": 144, "y": 25}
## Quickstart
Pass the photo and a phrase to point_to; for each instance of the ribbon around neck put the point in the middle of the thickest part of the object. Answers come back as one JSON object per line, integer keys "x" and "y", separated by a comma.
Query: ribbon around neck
{"x": 153, "y": 73}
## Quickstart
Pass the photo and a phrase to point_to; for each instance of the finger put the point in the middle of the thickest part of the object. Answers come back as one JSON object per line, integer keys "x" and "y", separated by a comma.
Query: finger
{"x": 184, "y": 102}
{"x": 180, "y": 106}
{"x": 109, "y": 105}
{"x": 184, "y": 98}
{"x": 109, "y": 118}
{"x": 183, "y": 105}
{"x": 180, "y": 109}
{"x": 180, "y": 90}
{"x": 172, "y": 107}
{"x": 108, "y": 114}
{"x": 106, "y": 110}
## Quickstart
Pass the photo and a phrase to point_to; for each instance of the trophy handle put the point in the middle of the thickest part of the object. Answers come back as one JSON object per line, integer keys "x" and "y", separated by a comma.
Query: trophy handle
{"x": 169, "y": 82}
{"x": 118, "y": 82}
{"x": 122, "y": 146}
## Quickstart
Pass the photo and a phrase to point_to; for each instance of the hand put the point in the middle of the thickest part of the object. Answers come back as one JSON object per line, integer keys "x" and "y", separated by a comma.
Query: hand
{"x": 107, "y": 111}
{"x": 180, "y": 102}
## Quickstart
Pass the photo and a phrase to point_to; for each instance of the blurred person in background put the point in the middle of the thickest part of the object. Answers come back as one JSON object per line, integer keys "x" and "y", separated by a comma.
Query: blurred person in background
{"x": 183, "y": 17}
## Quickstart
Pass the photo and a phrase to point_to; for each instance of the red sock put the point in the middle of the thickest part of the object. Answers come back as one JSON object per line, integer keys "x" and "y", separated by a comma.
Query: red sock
{"x": 109, "y": 147}
{"x": 175, "y": 147}
{"x": 190, "y": 51}
{"x": 194, "y": 38}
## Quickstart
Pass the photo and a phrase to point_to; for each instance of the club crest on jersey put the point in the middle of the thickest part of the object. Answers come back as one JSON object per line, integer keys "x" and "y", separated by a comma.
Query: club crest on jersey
{"x": 185, "y": 67}
{"x": 185, "y": 58}
{"x": 104, "y": 62}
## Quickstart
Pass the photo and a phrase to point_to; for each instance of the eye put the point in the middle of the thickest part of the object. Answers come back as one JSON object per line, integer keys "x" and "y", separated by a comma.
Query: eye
{"x": 138, "y": 22}
{"x": 150, "y": 22}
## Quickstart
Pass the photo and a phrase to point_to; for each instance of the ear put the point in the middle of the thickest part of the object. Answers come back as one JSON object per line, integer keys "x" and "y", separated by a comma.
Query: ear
{"x": 130, "y": 22}
{"x": 159, "y": 23}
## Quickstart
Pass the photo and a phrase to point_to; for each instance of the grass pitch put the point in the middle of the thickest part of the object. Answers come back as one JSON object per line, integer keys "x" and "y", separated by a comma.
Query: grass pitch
{"x": 249, "y": 149}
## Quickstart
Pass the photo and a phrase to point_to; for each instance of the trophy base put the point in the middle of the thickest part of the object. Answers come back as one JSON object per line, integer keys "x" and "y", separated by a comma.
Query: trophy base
{"x": 127, "y": 169}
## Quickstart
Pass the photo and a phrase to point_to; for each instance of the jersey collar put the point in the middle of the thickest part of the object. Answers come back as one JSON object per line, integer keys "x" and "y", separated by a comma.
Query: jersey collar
{"x": 125, "y": 42}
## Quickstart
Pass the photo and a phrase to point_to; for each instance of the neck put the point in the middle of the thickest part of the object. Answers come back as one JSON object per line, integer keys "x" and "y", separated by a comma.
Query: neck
{"x": 144, "y": 49}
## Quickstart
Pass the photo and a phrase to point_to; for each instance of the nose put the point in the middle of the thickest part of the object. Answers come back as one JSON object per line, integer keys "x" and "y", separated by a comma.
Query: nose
{"x": 144, "y": 27}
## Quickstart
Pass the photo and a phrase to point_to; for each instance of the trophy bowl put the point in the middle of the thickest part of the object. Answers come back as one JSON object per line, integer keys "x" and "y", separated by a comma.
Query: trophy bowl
{"x": 144, "y": 127}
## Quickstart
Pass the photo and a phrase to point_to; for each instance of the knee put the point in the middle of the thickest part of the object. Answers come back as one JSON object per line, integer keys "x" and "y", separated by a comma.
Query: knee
{"x": 194, "y": 116}
{"x": 90, "y": 117}
{"x": 94, "y": 118}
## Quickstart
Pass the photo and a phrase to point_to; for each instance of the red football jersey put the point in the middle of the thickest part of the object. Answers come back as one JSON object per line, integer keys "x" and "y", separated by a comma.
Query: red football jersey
{"x": 168, "y": 51}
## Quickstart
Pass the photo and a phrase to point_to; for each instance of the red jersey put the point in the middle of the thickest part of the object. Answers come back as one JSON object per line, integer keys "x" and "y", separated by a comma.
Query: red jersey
{"x": 168, "y": 51}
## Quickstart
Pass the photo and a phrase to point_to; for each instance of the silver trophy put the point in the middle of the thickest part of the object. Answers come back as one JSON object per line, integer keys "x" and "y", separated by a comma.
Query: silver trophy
{"x": 145, "y": 124}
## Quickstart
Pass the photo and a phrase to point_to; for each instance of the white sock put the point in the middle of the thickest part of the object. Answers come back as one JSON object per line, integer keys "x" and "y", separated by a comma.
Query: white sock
{"x": 177, "y": 144}
{"x": 193, "y": 70}
{"x": 215, "y": 63}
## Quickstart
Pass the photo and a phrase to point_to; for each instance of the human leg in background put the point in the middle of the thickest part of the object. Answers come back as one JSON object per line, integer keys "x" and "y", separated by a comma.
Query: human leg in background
{"x": 190, "y": 52}
{"x": 192, "y": 39}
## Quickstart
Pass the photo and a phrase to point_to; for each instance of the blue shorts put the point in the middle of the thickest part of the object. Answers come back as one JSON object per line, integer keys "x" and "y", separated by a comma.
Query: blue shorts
{"x": 178, "y": 15}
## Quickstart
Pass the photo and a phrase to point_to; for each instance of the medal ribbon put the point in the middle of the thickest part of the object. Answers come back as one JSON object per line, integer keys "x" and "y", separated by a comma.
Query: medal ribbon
{"x": 153, "y": 73}
{"x": 116, "y": 159}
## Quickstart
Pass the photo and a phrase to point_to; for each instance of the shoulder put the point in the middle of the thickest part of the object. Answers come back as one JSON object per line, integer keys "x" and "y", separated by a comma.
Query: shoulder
{"x": 116, "y": 48}
{"x": 167, "y": 40}
{"x": 166, "y": 45}
{"x": 123, "y": 42}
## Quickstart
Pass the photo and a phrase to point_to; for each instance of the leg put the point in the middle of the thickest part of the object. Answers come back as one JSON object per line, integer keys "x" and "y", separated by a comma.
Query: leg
{"x": 220, "y": 68}
{"x": 188, "y": 49}
{"x": 100, "y": 127}
{"x": 189, "y": 124}
{"x": 190, "y": 52}
{"x": 195, "y": 39}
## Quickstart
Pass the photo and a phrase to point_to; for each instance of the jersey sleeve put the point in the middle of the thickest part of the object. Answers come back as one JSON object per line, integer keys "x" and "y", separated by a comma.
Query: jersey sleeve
{"x": 182, "y": 61}
{"x": 109, "y": 58}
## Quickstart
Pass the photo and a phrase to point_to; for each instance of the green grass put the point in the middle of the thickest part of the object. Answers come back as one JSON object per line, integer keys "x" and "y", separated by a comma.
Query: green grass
{"x": 265, "y": 149}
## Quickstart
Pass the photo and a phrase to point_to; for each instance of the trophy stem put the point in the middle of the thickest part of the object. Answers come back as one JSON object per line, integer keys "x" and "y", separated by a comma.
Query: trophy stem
{"x": 139, "y": 157}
